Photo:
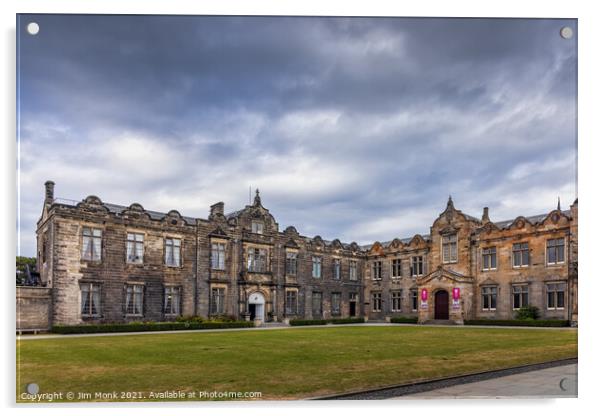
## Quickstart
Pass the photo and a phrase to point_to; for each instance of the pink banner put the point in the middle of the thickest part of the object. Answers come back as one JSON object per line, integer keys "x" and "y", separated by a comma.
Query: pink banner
{"x": 424, "y": 294}
{"x": 456, "y": 293}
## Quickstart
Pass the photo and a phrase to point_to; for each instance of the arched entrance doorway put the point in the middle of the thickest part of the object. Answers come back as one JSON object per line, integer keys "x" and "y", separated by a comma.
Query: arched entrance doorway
{"x": 257, "y": 306}
{"x": 441, "y": 305}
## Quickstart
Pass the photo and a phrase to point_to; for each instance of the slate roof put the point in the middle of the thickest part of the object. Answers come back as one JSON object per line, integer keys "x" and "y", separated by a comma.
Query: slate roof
{"x": 533, "y": 219}
{"x": 155, "y": 215}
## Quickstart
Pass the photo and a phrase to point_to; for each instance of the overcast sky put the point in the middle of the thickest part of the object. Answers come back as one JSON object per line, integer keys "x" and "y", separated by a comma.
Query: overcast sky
{"x": 356, "y": 129}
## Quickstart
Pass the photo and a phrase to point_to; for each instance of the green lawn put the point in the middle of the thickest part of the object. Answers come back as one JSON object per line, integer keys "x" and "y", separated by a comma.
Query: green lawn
{"x": 282, "y": 364}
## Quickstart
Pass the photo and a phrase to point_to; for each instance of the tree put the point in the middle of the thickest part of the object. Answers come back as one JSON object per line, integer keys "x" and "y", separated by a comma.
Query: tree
{"x": 22, "y": 263}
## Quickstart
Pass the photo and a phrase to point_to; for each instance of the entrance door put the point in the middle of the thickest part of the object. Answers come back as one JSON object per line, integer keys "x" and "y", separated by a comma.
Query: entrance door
{"x": 441, "y": 305}
{"x": 256, "y": 306}
{"x": 352, "y": 308}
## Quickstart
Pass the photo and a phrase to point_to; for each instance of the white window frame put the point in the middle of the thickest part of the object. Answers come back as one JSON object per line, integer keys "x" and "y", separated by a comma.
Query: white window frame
{"x": 175, "y": 304}
{"x": 257, "y": 227}
{"x": 336, "y": 272}
{"x": 521, "y": 250}
{"x": 377, "y": 300}
{"x": 377, "y": 272}
{"x": 563, "y": 252}
{"x": 290, "y": 267}
{"x": 522, "y": 292}
{"x": 353, "y": 270}
{"x": 418, "y": 260}
{"x": 491, "y": 255}
{"x": 449, "y": 243}
{"x": 394, "y": 269}
{"x": 90, "y": 290}
{"x": 134, "y": 290}
{"x": 173, "y": 245}
{"x": 257, "y": 260}
{"x": 134, "y": 241}
{"x": 493, "y": 292}
{"x": 556, "y": 291}
{"x": 396, "y": 299}
{"x": 316, "y": 267}
{"x": 94, "y": 238}
{"x": 218, "y": 255}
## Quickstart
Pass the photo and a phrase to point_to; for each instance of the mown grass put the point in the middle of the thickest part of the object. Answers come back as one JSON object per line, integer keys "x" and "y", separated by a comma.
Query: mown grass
{"x": 281, "y": 364}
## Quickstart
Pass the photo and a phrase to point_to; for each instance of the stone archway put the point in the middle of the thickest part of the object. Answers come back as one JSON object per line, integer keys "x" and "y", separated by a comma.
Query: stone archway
{"x": 441, "y": 304}
{"x": 256, "y": 305}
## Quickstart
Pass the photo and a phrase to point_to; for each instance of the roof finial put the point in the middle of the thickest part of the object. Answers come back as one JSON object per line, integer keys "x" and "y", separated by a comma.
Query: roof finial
{"x": 558, "y": 208}
{"x": 450, "y": 203}
{"x": 257, "y": 197}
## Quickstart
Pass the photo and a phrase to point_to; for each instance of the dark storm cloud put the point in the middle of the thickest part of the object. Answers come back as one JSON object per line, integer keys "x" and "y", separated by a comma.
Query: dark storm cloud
{"x": 356, "y": 128}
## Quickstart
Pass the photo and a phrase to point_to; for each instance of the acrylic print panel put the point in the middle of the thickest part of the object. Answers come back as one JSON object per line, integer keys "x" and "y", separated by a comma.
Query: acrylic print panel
{"x": 212, "y": 177}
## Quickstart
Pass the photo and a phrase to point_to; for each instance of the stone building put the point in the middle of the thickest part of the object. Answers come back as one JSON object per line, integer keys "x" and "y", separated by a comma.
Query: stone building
{"x": 110, "y": 263}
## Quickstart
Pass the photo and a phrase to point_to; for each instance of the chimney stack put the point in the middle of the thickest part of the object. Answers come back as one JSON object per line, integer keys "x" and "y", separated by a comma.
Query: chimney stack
{"x": 217, "y": 209}
{"x": 485, "y": 217}
{"x": 49, "y": 192}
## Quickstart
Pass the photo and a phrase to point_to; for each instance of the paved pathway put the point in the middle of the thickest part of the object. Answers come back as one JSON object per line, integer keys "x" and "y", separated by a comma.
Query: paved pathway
{"x": 555, "y": 382}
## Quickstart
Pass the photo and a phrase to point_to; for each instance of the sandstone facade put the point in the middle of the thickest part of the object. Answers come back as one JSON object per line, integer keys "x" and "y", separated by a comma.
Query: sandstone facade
{"x": 109, "y": 263}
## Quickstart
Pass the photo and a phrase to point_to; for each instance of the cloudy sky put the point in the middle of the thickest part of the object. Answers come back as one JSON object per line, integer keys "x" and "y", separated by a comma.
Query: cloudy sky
{"x": 352, "y": 128}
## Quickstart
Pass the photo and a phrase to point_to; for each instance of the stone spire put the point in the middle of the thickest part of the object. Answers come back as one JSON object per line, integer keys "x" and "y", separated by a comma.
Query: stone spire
{"x": 450, "y": 204}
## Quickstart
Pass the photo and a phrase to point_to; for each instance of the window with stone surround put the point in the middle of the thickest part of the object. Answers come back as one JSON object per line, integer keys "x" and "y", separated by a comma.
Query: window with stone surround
{"x": 90, "y": 299}
{"x": 489, "y": 258}
{"x": 173, "y": 252}
{"x": 353, "y": 270}
{"x": 417, "y": 266}
{"x": 414, "y": 296}
{"x": 335, "y": 303}
{"x": 218, "y": 298}
{"x": 489, "y": 298}
{"x": 520, "y": 296}
{"x": 555, "y": 295}
{"x": 135, "y": 248}
{"x": 555, "y": 250}
{"x": 316, "y": 267}
{"x": 396, "y": 270}
{"x": 316, "y": 305}
{"x": 449, "y": 246}
{"x": 171, "y": 305}
{"x": 91, "y": 243}
{"x": 336, "y": 272}
{"x": 520, "y": 255}
{"x": 291, "y": 302}
{"x": 134, "y": 299}
{"x": 377, "y": 270}
{"x": 291, "y": 263}
{"x": 257, "y": 227}
{"x": 257, "y": 260}
{"x": 377, "y": 301}
{"x": 396, "y": 301}
{"x": 218, "y": 256}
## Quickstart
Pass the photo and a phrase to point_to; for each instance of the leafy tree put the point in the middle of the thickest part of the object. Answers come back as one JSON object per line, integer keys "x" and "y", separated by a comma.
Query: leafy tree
{"x": 22, "y": 262}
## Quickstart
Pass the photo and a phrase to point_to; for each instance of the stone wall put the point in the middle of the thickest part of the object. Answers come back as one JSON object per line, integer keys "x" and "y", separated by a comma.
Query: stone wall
{"x": 33, "y": 308}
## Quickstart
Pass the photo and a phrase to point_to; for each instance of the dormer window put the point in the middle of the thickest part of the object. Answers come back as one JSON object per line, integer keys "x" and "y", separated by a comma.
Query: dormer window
{"x": 257, "y": 227}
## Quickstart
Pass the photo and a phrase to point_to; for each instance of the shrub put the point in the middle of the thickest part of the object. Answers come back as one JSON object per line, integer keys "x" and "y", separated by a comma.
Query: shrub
{"x": 302, "y": 322}
{"x": 404, "y": 320}
{"x": 343, "y": 321}
{"x": 190, "y": 318}
{"x": 145, "y": 326}
{"x": 528, "y": 312}
{"x": 517, "y": 322}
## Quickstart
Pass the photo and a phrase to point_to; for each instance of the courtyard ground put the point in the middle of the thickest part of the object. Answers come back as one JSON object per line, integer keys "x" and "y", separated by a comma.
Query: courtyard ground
{"x": 284, "y": 364}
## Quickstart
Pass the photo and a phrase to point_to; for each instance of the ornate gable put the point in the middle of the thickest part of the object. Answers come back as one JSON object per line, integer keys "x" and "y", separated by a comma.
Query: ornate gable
{"x": 443, "y": 274}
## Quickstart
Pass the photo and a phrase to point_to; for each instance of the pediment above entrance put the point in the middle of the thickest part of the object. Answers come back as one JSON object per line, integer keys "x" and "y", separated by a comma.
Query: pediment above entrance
{"x": 443, "y": 274}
